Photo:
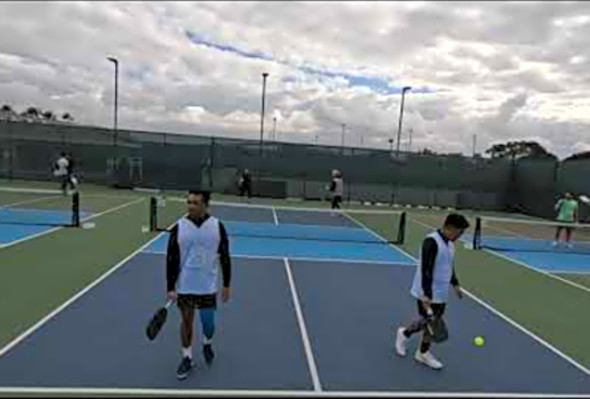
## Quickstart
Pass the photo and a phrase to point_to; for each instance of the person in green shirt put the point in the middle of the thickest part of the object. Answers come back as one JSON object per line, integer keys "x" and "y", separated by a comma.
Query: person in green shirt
{"x": 567, "y": 211}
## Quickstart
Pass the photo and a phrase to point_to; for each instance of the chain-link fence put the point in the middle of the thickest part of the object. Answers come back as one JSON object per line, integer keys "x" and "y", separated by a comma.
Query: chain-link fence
{"x": 177, "y": 162}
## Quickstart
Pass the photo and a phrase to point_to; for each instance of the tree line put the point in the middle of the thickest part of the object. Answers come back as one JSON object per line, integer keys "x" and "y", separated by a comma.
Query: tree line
{"x": 34, "y": 114}
{"x": 515, "y": 150}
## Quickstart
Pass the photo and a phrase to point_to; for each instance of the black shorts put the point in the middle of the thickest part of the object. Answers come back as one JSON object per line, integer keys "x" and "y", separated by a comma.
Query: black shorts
{"x": 191, "y": 301}
{"x": 565, "y": 226}
{"x": 336, "y": 200}
{"x": 438, "y": 309}
{"x": 245, "y": 188}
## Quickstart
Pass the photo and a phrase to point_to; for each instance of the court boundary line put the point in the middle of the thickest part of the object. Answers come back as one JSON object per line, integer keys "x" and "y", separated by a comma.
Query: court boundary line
{"x": 501, "y": 315}
{"x": 28, "y": 332}
{"x": 29, "y": 201}
{"x": 296, "y": 208}
{"x": 311, "y": 364}
{"x": 53, "y": 230}
{"x": 305, "y": 259}
{"x": 275, "y": 393}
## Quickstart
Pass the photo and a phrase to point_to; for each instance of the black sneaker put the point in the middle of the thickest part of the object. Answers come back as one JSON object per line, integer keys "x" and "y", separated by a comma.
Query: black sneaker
{"x": 208, "y": 353}
{"x": 184, "y": 368}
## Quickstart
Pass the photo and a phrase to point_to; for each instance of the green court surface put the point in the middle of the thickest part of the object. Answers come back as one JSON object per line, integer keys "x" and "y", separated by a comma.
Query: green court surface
{"x": 40, "y": 274}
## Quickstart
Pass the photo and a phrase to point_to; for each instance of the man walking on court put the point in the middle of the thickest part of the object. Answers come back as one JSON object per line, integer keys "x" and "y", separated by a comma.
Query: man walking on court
{"x": 197, "y": 244}
{"x": 567, "y": 208}
{"x": 430, "y": 287}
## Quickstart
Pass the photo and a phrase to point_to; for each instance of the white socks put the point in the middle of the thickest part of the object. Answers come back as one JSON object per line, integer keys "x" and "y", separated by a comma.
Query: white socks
{"x": 207, "y": 341}
{"x": 187, "y": 352}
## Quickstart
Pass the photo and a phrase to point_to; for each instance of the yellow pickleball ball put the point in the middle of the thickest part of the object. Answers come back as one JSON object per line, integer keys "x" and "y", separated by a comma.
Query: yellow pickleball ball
{"x": 478, "y": 341}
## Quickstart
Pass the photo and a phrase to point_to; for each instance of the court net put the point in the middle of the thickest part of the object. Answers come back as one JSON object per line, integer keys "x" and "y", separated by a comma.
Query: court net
{"x": 523, "y": 235}
{"x": 21, "y": 206}
{"x": 284, "y": 222}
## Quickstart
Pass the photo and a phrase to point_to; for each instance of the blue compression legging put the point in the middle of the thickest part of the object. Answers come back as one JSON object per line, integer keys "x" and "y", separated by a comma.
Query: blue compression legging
{"x": 208, "y": 322}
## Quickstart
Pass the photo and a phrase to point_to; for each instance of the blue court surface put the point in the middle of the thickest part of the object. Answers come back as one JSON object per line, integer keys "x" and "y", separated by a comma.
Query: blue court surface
{"x": 541, "y": 254}
{"x": 299, "y": 322}
{"x": 21, "y": 224}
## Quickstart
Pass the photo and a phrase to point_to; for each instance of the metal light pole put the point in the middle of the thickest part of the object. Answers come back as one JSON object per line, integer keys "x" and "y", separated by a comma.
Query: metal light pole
{"x": 410, "y": 141}
{"x": 343, "y": 130}
{"x": 401, "y": 115}
{"x": 264, "y": 76}
{"x": 116, "y": 62}
{"x": 274, "y": 128}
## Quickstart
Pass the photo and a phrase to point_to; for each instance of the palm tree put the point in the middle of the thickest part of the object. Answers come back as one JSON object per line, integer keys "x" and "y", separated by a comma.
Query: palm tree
{"x": 48, "y": 116}
{"x": 6, "y": 112}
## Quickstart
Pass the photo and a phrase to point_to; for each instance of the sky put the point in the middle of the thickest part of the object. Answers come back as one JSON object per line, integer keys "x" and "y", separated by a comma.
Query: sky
{"x": 493, "y": 71}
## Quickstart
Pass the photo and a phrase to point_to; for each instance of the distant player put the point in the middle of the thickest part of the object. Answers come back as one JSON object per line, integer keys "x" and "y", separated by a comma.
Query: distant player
{"x": 62, "y": 170}
{"x": 245, "y": 183}
{"x": 336, "y": 189}
{"x": 567, "y": 212}
{"x": 432, "y": 280}
{"x": 197, "y": 246}
{"x": 72, "y": 180}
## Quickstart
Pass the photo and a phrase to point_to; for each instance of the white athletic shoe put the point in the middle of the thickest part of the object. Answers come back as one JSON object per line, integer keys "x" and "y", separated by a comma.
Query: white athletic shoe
{"x": 428, "y": 359}
{"x": 554, "y": 243}
{"x": 400, "y": 342}
{"x": 570, "y": 245}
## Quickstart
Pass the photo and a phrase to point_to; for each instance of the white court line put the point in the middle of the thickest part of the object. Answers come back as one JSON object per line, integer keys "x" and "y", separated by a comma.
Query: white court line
{"x": 513, "y": 323}
{"x": 317, "y": 387}
{"x": 274, "y": 393}
{"x": 295, "y": 208}
{"x": 29, "y": 201}
{"x": 274, "y": 215}
{"x": 73, "y": 299}
{"x": 305, "y": 259}
{"x": 30, "y": 190}
{"x": 32, "y": 236}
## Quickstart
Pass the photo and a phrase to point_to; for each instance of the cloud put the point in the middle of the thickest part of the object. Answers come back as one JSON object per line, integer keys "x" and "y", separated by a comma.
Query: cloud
{"x": 510, "y": 107}
{"x": 498, "y": 70}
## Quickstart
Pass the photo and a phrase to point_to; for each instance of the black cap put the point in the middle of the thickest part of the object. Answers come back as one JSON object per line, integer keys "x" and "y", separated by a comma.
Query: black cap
{"x": 205, "y": 193}
{"x": 456, "y": 220}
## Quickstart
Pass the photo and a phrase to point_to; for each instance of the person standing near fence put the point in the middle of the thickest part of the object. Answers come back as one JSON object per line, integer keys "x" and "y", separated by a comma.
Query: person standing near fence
{"x": 336, "y": 189}
{"x": 567, "y": 212}
{"x": 62, "y": 170}
{"x": 72, "y": 179}
{"x": 245, "y": 183}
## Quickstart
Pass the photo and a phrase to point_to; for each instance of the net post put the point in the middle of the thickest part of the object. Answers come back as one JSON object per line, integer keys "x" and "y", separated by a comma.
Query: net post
{"x": 477, "y": 234}
{"x": 76, "y": 209}
{"x": 402, "y": 229}
{"x": 153, "y": 214}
